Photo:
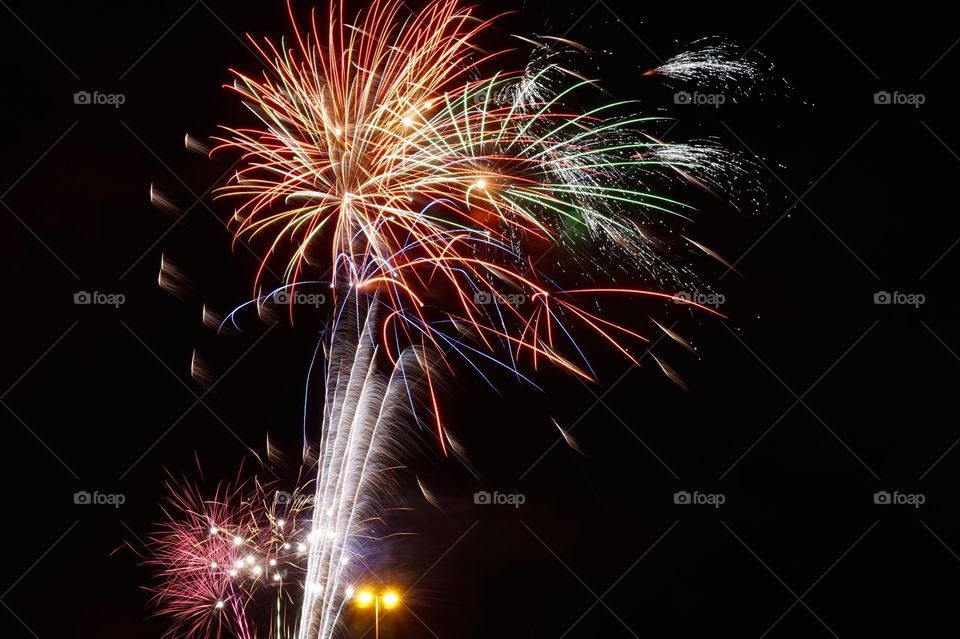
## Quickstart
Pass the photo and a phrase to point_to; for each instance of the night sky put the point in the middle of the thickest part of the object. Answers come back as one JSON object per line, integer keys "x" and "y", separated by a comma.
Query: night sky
{"x": 805, "y": 403}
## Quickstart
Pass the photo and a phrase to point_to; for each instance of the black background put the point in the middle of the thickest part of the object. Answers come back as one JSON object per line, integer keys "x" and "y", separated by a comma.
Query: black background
{"x": 802, "y": 405}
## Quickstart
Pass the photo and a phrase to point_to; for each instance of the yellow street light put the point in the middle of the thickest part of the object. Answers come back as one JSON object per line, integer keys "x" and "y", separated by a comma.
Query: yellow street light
{"x": 364, "y": 598}
{"x": 389, "y": 599}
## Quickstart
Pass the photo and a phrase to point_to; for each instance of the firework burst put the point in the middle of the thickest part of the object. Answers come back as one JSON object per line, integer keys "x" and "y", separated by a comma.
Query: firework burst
{"x": 224, "y": 558}
{"x": 386, "y": 154}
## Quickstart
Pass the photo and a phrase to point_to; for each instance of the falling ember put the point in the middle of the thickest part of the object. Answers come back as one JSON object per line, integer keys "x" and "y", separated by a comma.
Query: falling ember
{"x": 173, "y": 280}
{"x": 163, "y": 202}
{"x": 568, "y": 438}
{"x": 210, "y": 319}
{"x": 195, "y": 145}
{"x": 200, "y": 370}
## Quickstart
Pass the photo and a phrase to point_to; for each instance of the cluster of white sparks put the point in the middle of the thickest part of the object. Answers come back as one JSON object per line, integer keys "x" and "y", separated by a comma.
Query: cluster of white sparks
{"x": 709, "y": 63}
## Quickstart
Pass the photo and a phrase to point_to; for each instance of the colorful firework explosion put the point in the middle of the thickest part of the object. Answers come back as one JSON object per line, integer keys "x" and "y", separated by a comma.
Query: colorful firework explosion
{"x": 424, "y": 184}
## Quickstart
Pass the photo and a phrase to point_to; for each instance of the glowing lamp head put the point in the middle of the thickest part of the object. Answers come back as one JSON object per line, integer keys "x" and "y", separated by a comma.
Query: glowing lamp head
{"x": 364, "y": 598}
{"x": 390, "y": 599}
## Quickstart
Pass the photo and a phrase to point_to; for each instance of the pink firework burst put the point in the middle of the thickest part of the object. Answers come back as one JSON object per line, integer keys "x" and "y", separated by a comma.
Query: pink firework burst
{"x": 228, "y": 563}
